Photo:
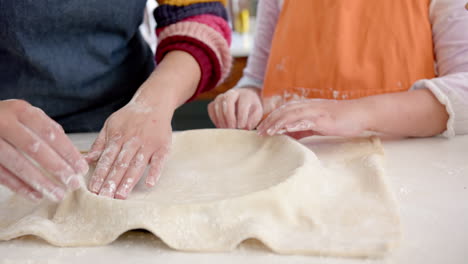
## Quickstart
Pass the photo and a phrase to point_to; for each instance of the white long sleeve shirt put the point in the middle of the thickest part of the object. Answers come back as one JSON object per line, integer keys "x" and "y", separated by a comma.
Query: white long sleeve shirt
{"x": 449, "y": 19}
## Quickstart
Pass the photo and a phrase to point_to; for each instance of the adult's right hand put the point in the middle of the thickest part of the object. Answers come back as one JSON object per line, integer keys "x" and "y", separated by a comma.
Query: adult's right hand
{"x": 36, "y": 157}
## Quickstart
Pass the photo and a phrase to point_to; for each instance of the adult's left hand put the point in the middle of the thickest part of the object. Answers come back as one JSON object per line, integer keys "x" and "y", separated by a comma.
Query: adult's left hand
{"x": 132, "y": 138}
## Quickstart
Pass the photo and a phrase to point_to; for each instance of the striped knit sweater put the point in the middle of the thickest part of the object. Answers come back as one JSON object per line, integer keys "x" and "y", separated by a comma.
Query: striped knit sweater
{"x": 200, "y": 28}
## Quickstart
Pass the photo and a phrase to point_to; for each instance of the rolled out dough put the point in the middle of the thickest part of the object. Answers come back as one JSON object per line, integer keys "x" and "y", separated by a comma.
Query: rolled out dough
{"x": 221, "y": 187}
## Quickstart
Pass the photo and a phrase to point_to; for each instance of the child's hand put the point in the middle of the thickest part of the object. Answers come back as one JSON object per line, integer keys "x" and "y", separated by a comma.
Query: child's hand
{"x": 316, "y": 116}
{"x": 238, "y": 108}
{"x": 132, "y": 138}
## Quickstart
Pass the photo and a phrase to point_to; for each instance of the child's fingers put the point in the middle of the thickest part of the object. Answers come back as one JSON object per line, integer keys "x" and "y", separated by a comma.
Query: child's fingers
{"x": 134, "y": 173}
{"x": 229, "y": 108}
{"x": 256, "y": 114}
{"x": 156, "y": 165}
{"x": 98, "y": 147}
{"x": 218, "y": 110}
{"x": 119, "y": 167}
{"x": 244, "y": 106}
{"x": 301, "y": 134}
{"x": 271, "y": 119}
{"x": 104, "y": 164}
{"x": 292, "y": 108}
{"x": 300, "y": 126}
{"x": 283, "y": 116}
{"x": 212, "y": 114}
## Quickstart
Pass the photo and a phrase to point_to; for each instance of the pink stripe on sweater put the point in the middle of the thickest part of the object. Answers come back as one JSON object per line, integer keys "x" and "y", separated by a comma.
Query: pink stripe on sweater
{"x": 206, "y": 58}
{"x": 215, "y": 22}
{"x": 205, "y": 34}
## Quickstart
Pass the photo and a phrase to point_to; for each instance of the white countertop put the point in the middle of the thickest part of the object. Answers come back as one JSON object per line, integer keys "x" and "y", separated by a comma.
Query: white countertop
{"x": 428, "y": 176}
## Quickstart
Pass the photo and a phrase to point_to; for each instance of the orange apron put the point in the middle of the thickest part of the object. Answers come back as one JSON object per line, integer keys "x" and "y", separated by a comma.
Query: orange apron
{"x": 347, "y": 49}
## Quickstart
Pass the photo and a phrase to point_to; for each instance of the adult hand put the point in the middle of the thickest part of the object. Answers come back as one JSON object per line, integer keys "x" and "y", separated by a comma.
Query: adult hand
{"x": 132, "y": 138}
{"x": 238, "y": 108}
{"x": 317, "y": 116}
{"x": 32, "y": 145}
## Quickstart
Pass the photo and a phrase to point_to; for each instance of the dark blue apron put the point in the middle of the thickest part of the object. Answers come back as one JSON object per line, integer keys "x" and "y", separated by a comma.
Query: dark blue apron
{"x": 78, "y": 60}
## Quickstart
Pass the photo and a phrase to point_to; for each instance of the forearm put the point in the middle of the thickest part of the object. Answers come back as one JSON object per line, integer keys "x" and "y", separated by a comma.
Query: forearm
{"x": 267, "y": 18}
{"x": 411, "y": 114}
{"x": 172, "y": 83}
{"x": 201, "y": 29}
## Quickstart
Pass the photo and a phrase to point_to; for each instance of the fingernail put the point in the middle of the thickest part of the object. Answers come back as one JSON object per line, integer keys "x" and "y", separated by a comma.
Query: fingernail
{"x": 106, "y": 193}
{"x": 74, "y": 182}
{"x": 92, "y": 156}
{"x": 151, "y": 181}
{"x": 123, "y": 191}
{"x": 96, "y": 185}
{"x": 121, "y": 195}
{"x": 58, "y": 194}
{"x": 281, "y": 132}
{"x": 58, "y": 127}
{"x": 82, "y": 166}
{"x": 35, "y": 196}
{"x": 270, "y": 131}
{"x": 108, "y": 190}
{"x": 68, "y": 181}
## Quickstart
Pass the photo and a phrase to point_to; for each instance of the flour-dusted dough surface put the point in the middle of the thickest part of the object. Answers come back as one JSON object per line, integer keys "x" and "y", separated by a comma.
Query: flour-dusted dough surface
{"x": 221, "y": 187}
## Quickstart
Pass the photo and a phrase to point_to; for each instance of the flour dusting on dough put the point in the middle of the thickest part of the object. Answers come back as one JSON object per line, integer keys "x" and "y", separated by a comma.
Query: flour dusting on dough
{"x": 210, "y": 200}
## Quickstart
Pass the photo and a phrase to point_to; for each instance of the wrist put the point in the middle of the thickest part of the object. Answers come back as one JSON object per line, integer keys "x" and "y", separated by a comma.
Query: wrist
{"x": 172, "y": 83}
{"x": 159, "y": 92}
{"x": 155, "y": 96}
{"x": 367, "y": 112}
{"x": 177, "y": 77}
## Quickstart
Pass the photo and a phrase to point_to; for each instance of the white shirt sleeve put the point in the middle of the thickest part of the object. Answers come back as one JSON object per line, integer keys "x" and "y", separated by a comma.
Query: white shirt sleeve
{"x": 267, "y": 18}
{"x": 449, "y": 19}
